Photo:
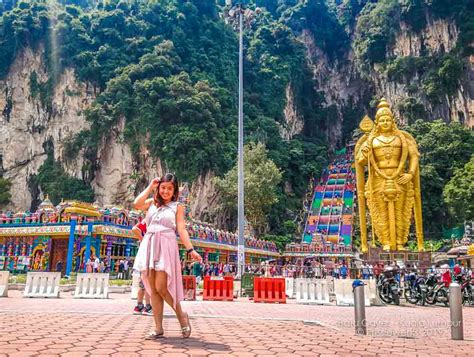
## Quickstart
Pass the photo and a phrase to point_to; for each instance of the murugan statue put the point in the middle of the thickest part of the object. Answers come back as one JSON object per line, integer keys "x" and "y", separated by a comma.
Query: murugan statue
{"x": 392, "y": 189}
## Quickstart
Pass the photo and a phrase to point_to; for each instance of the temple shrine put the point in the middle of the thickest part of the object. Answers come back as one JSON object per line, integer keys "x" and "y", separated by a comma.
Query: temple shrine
{"x": 73, "y": 232}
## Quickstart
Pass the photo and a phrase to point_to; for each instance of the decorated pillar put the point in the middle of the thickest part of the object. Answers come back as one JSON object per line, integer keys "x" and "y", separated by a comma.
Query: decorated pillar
{"x": 87, "y": 252}
{"x": 128, "y": 246}
{"x": 77, "y": 254}
{"x": 16, "y": 251}
{"x": 30, "y": 247}
{"x": 108, "y": 251}
{"x": 70, "y": 248}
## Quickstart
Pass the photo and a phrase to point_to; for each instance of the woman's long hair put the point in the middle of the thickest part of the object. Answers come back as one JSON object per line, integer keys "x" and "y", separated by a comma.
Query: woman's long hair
{"x": 158, "y": 200}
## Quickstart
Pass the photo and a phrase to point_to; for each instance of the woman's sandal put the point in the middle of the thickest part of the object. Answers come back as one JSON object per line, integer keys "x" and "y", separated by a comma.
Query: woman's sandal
{"x": 155, "y": 335}
{"x": 186, "y": 330}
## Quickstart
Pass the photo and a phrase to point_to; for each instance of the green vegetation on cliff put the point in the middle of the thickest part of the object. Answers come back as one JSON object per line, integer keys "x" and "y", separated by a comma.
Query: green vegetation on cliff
{"x": 459, "y": 193}
{"x": 167, "y": 71}
{"x": 445, "y": 150}
{"x": 53, "y": 181}
{"x": 5, "y": 194}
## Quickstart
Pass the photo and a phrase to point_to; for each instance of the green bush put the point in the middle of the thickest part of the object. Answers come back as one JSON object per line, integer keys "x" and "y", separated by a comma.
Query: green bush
{"x": 53, "y": 181}
{"x": 17, "y": 279}
{"x": 120, "y": 282}
{"x": 5, "y": 194}
{"x": 376, "y": 28}
{"x": 443, "y": 77}
{"x": 403, "y": 69}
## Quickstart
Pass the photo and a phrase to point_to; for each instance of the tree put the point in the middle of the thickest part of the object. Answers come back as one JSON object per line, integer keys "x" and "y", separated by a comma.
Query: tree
{"x": 444, "y": 148}
{"x": 262, "y": 177}
{"x": 57, "y": 184}
{"x": 5, "y": 194}
{"x": 459, "y": 193}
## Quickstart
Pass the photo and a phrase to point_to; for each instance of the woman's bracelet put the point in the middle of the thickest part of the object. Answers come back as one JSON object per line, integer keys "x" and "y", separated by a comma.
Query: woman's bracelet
{"x": 189, "y": 250}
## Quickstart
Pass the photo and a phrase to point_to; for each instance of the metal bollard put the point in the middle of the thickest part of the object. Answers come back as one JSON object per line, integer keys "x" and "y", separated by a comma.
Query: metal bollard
{"x": 455, "y": 307}
{"x": 359, "y": 308}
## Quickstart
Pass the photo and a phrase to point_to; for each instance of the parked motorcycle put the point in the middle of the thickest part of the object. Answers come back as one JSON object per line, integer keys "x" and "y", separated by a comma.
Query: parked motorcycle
{"x": 438, "y": 290}
{"x": 388, "y": 286}
{"x": 467, "y": 287}
{"x": 415, "y": 289}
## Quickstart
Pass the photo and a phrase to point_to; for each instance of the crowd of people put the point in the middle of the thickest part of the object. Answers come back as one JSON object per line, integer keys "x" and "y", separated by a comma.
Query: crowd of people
{"x": 205, "y": 232}
{"x": 94, "y": 264}
{"x": 316, "y": 247}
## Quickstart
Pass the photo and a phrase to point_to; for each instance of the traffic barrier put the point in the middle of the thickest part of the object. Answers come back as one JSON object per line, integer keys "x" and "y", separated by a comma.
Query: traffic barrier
{"x": 290, "y": 288}
{"x": 247, "y": 285}
{"x": 189, "y": 287}
{"x": 312, "y": 291}
{"x": 135, "y": 286}
{"x": 4, "y": 283}
{"x": 92, "y": 286}
{"x": 218, "y": 288}
{"x": 374, "y": 298}
{"x": 269, "y": 290}
{"x": 42, "y": 284}
{"x": 344, "y": 293}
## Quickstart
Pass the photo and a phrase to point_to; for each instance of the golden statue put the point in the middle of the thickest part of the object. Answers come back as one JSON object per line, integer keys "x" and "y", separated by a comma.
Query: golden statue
{"x": 392, "y": 190}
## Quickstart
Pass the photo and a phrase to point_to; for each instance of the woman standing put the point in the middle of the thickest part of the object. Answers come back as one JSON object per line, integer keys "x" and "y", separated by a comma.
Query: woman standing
{"x": 158, "y": 256}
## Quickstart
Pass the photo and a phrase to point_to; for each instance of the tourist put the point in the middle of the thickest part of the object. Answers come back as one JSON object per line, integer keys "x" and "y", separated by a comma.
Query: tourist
{"x": 59, "y": 265}
{"x": 125, "y": 269}
{"x": 344, "y": 271}
{"x": 95, "y": 264}
{"x": 365, "y": 271}
{"x": 142, "y": 309}
{"x": 139, "y": 230}
{"x": 89, "y": 266}
{"x": 197, "y": 271}
{"x": 158, "y": 256}
{"x": 120, "y": 269}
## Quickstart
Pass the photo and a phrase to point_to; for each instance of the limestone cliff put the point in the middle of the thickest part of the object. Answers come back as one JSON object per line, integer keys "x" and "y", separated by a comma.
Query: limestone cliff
{"x": 346, "y": 88}
{"x": 437, "y": 38}
{"x": 26, "y": 126}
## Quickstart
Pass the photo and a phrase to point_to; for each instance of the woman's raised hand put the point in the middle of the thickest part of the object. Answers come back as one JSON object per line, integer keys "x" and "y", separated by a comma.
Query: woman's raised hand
{"x": 154, "y": 183}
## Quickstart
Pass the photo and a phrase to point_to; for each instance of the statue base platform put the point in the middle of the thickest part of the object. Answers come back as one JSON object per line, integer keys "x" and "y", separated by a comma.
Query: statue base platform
{"x": 377, "y": 254}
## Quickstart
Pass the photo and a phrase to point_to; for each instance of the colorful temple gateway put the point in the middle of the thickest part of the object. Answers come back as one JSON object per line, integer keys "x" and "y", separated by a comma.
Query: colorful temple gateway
{"x": 68, "y": 235}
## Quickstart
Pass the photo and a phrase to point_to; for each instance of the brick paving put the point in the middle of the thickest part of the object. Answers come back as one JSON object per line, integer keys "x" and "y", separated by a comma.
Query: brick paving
{"x": 72, "y": 327}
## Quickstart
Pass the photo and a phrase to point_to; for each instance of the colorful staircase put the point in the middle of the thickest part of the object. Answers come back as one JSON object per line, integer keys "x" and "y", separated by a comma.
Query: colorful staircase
{"x": 329, "y": 220}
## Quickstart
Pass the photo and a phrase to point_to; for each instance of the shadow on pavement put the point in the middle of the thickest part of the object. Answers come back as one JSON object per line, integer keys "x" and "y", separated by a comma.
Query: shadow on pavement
{"x": 194, "y": 342}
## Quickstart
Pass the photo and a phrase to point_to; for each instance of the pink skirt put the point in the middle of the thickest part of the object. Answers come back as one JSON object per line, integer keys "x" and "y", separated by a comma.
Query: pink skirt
{"x": 159, "y": 251}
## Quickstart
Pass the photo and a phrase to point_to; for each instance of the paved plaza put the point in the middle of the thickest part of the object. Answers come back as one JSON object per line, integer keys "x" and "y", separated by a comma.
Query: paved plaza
{"x": 73, "y": 327}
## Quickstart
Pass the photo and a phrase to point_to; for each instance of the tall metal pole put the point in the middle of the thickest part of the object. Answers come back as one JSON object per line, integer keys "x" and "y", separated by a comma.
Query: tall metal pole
{"x": 241, "y": 241}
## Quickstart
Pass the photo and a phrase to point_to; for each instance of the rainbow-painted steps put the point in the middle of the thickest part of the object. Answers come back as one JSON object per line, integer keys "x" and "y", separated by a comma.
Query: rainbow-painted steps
{"x": 329, "y": 221}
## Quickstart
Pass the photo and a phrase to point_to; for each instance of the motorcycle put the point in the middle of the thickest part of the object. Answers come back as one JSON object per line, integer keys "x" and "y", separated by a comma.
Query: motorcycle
{"x": 415, "y": 289}
{"x": 438, "y": 290}
{"x": 467, "y": 288}
{"x": 388, "y": 287}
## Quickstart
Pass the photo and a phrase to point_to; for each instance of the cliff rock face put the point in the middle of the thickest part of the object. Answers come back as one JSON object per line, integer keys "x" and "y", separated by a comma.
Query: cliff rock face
{"x": 343, "y": 85}
{"x": 293, "y": 121}
{"x": 438, "y": 37}
{"x": 339, "y": 82}
{"x": 120, "y": 175}
{"x": 26, "y": 126}
{"x": 204, "y": 202}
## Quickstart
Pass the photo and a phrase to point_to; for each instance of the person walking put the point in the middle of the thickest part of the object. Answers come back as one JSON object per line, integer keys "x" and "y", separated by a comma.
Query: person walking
{"x": 158, "y": 255}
